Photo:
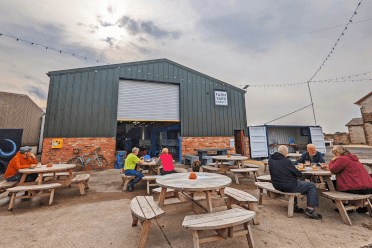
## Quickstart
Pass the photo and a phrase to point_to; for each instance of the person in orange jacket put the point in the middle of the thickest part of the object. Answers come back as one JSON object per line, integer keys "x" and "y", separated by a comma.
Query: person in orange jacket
{"x": 23, "y": 159}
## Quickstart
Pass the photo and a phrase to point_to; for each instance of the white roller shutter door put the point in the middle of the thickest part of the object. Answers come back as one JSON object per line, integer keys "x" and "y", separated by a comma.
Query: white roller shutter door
{"x": 145, "y": 101}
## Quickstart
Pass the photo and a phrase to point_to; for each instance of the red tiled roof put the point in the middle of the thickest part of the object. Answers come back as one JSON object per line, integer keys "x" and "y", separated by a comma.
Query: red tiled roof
{"x": 363, "y": 98}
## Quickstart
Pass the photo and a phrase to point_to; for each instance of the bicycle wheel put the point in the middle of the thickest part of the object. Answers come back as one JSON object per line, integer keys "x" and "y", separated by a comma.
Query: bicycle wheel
{"x": 77, "y": 162}
{"x": 100, "y": 163}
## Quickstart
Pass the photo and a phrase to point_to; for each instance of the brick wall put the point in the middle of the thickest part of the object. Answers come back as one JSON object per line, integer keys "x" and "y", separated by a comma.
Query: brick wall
{"x": 56, "y": 155}
{"x": 188, "y": 144}
{"x": 338, "y": 138}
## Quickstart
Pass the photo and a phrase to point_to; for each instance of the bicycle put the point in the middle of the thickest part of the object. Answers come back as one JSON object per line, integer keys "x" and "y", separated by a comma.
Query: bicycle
{"x": 99, "y": 162}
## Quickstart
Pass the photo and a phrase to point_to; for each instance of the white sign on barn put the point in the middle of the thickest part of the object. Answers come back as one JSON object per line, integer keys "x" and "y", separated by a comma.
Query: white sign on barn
{"x": 220, "y": 98}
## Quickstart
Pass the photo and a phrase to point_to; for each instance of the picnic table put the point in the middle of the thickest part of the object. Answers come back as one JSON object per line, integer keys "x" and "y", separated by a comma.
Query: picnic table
{"x": 204, "y": 152}
{"x": 366, "y": 161}
{"x": 294, "y": 155}
{"x": 321, "y": 174}
{"x": 238, "y": 159}
{"x": 180, "y": 182}
{"x": 151, "y": 166}
{"x": 42, "y": 169}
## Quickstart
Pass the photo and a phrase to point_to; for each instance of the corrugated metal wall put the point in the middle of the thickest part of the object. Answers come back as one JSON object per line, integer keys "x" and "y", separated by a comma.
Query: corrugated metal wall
{"x": 199, "y": 116}
{"x": 82, "y": 104}
{"x": 282, "y": 135}
{"x": 19, "y": 111}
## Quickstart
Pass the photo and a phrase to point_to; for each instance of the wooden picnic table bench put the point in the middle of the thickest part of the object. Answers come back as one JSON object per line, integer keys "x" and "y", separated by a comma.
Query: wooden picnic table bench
{"x": 223, "y": 222}
{"x": 241, "y": 198}
{"x": 208, "y": 168}
{"x": 6, "y": 185}
{"x": 273, "y": 193}
{"x": 145, "y": 209}
{"x": 82, "y": 180}
{"x": 264, "y": 178}
{"x": 355, "y": 201}
{"x": 266, "y": 163}
{"x": 32, "y": 192}
{"x": 126, "y": 180}
{"x": 244, "y": 172}
{"x": 58, "y": 175}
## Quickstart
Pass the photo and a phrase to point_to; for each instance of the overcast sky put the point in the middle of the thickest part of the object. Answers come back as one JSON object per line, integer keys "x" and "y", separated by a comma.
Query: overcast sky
{"x": 239, "y": 42}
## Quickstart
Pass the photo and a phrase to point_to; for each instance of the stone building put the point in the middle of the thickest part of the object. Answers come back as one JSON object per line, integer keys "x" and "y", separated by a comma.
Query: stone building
{"x": 356, "y": 131}
{"x": 365, "y": 105}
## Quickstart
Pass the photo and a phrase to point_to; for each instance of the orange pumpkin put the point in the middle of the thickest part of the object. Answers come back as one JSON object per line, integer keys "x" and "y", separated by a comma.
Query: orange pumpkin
{"x": 229, "y": 156}
{"x": 192, "y": 175}
{"x": 49, "y": 165}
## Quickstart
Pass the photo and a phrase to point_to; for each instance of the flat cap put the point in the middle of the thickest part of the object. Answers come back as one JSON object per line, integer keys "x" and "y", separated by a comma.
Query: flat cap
{"x": 25, "y": 149}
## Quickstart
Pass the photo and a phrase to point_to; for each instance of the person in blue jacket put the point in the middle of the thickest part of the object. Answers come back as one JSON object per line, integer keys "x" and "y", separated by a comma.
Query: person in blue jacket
{"x": 311, "y": 155}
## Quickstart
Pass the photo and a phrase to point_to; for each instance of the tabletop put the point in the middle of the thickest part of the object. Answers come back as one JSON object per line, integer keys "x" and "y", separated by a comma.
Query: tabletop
{"x": 296, "y": 155}
{"x": 318, "y": 172}
{"x": 43, "y": 168}
{"x": 232, "y": 158}
{"x": 366, "y": 161}
{"x": 212, "y": 149}
{"x": 205, "y": 181}
{"x": 152, "y": 163}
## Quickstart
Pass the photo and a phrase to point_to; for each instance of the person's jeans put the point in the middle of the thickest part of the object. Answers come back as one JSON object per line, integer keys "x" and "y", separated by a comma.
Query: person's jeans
{"x": 309, "y": 189}
{"x": 135, "y": 173}
{"x": 16, "y": 178}
{"x": 162, "y": 172}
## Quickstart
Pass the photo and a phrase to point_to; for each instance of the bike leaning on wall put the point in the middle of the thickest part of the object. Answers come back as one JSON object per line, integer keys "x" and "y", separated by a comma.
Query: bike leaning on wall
{"x": 99, "y": 162}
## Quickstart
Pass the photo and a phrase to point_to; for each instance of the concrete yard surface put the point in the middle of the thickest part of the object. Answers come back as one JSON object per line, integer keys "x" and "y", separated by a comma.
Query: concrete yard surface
{"x": 102, "y": 218}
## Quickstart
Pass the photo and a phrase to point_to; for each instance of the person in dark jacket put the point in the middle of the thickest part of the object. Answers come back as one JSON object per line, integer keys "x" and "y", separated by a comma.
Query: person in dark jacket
{"x": 351, "y": 176}
{"x": 311, "y": 155}
{"x": 284, "y": 178}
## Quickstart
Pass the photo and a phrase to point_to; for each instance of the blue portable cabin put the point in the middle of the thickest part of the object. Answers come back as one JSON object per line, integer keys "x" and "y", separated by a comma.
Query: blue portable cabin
{"x": 264, "y": 140}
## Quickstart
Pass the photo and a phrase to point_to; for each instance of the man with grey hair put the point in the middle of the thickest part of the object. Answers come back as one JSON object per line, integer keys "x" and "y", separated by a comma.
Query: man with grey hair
{"x": 311, "y": 155}
{"x": 130, "y": 168}
{"x": 284, "y": 177}
{"x": 23, "y": 159}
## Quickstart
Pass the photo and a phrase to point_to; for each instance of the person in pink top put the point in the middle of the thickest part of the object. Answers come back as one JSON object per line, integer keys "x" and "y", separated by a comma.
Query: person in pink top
{"x": 351, "y": 176}
{"x": 167, "y": 162}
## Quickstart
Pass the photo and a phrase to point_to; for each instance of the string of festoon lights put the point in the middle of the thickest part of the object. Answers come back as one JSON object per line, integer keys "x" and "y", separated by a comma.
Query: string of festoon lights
{"x": 332, "y": 80}
{"x": 51, "y": 48}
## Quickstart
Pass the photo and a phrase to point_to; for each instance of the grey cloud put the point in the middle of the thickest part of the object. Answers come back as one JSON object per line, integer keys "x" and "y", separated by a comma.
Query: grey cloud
{"x": 110, "y": 40}
{"x": 110, "y": 10}
{"x": 146, "y": 27}
{"x": 37, "y": 92}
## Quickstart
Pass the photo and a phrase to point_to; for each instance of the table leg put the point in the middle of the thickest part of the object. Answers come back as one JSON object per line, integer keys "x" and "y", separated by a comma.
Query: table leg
{"x": 159, "y": 169}
{"x": 209, "y": 201}
{"x": 163, "y": 193}
{"x": 70, "y": 175}
{"x": 222, "y": 192}
{"x": 329, "y": 183}
{"x": 216, "y": 163}
{"x": 24, "y": 175}
{"x": 40, "y": 178}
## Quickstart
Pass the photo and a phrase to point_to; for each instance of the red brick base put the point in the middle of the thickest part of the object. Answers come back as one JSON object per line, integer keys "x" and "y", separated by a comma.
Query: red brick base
{"x": 56, "y": 155}
{"x": 188, "y": 144}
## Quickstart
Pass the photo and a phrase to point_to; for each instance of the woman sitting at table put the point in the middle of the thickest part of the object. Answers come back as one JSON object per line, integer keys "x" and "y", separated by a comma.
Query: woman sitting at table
{"x": 351, "y": 176}
{"x": 167, "y": 162}
{"x": 22, "y": 160}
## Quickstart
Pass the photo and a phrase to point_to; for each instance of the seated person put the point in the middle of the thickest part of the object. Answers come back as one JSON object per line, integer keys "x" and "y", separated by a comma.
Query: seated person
{"x": 311, "y": 155}
{"x": 284, "y": 178}
{"x": 167, "y": 162}
{"x": 22, "y": 160}
{"x": 130, "y": 168}
{"x": 351, "y": 176}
